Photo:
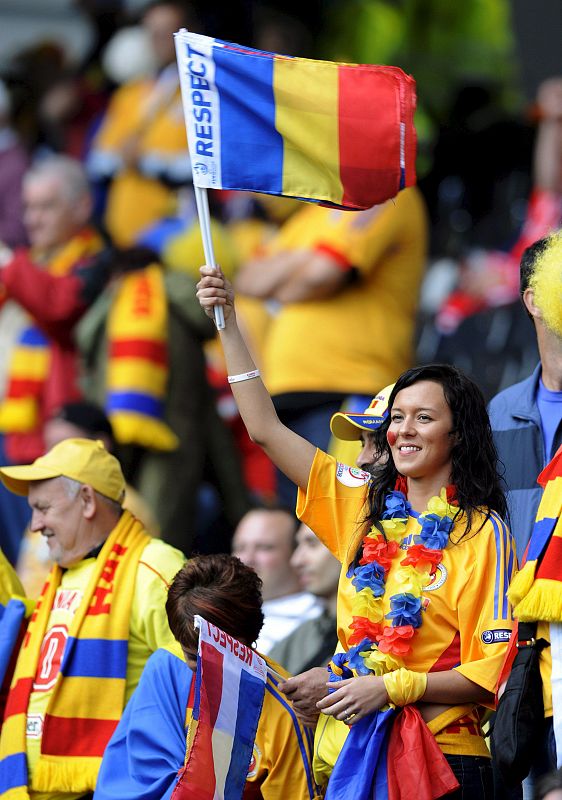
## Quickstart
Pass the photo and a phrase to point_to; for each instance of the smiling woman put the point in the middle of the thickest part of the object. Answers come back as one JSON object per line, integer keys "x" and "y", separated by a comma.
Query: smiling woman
{"x": 426, "y": 560}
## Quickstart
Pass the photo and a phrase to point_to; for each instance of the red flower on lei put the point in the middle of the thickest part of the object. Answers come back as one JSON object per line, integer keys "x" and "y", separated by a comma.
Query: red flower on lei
{"x": 363, "y": 628}
{"x": 420, "y": 556}
{"x": 378, "y": 550}
{"x": 396, "y": 640}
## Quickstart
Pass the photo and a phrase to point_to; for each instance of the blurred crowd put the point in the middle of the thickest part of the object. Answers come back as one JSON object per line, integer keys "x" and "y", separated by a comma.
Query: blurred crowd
{"x": 101, "y": 249}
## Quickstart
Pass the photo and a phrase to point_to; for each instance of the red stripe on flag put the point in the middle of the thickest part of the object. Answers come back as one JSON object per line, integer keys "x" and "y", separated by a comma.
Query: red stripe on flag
{"x": 451, "y": 657}
{"x": 19, "y": 697}
{"x": 76, "y": 736}
{"x": 23, "y": 387}
{"x": 139, "y": 348}
{"x": 198, "y": 780}
{"x": 372, "y": 118}
{"x": 212, "y": 682}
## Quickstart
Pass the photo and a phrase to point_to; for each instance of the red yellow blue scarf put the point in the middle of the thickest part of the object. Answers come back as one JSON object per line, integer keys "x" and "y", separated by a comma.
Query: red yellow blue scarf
{"x": 89, "y": 693}
{"x": 31, "y": 357}
{"x": 137, "y": 371}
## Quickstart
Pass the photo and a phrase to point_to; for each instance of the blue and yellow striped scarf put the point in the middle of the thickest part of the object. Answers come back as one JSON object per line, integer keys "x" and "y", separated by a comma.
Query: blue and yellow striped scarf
{"x": 89, "y": 693}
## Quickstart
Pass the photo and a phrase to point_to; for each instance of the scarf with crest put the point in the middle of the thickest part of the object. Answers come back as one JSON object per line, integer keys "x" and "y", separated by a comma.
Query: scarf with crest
{"x": 89, "y": 693}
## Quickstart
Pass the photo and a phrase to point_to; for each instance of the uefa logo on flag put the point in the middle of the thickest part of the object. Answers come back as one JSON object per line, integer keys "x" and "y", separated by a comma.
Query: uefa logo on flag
{"x": 200, "y": 169}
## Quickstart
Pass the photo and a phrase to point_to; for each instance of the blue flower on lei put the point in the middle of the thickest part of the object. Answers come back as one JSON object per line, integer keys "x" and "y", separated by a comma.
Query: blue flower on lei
{"x": 355, "y": 661}
{"x": 339, "y": 660}
{"x": 370, "y": 576}
{"x": 397, "y": 507}
{"x": 434, "y": 531}
{"x": 405, "y": 609}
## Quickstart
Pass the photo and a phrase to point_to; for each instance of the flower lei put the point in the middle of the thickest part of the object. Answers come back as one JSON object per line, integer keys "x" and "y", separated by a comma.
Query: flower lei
{"x": 379, "y": 647}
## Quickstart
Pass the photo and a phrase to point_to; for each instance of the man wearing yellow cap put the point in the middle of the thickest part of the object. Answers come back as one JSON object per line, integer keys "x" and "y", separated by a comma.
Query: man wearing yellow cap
{"x": 349, "y": 428}
{"x": 100, "y": 616}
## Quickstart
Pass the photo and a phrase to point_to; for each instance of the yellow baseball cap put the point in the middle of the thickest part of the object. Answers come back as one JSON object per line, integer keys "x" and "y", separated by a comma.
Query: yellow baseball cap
{"x": 84, "y": 460}
{"x": 347, "y": 426}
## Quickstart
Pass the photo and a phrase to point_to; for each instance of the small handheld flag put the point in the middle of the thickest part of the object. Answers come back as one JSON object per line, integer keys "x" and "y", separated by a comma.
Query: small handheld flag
{"x": 229, "y": 692}
{"x": 340, "y": 134}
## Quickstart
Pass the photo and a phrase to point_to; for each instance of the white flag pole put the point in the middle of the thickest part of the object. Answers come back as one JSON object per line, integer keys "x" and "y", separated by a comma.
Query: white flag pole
{"x": 201, "y": 197}
{"x": 202, "y": 201}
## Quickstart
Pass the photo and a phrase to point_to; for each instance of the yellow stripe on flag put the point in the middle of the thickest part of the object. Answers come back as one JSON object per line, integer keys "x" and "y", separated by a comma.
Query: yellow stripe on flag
{"x": 306, "y": 99}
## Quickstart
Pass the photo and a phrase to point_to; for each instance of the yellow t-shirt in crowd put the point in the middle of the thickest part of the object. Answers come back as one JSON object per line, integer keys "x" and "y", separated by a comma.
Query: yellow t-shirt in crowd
{"x": 467, "y": 619}
{"x": 360, "y": 338}
{"x": 153, "y": 115}
{"x": 148, "y": 631}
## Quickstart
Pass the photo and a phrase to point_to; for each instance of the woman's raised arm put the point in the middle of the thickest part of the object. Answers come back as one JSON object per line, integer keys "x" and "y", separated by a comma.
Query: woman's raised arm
{"x": 292, "y": 454}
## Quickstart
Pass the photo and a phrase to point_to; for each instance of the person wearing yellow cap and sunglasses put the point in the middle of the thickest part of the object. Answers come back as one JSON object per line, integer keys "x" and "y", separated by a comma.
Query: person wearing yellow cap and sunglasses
{"x": 99, "y": 617}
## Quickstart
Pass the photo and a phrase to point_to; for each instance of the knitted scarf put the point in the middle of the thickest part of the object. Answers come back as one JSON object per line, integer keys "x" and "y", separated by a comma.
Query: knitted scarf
{"x": 31, "y": 357}
{"x": 536, "y": 590}
{"x": 89, "y": 693}
{"x": 137, "y": 370}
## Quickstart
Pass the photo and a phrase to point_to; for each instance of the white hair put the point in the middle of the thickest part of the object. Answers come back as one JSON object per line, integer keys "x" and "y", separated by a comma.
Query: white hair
{"x": 71, "y": 173}
{"x": 70, "y": 486}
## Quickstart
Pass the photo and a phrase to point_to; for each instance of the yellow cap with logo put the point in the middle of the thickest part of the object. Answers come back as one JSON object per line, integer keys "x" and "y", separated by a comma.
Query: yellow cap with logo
{"x": 348, "y": 426}
{"x": 83, "y": 460}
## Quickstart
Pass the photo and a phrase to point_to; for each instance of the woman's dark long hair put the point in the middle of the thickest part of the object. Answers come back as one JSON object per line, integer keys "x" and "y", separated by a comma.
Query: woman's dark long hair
{"x": 474, "y": 457}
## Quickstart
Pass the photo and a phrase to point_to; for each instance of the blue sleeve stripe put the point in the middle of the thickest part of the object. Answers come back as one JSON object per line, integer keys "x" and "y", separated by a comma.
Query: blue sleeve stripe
{"x": 499, "y": 556}
{"x": 302, "y": 745}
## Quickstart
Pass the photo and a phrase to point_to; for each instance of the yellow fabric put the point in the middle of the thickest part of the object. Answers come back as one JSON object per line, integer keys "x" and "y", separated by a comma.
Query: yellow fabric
{"x": 135, "y": 201}
{"x": 545, "y": 664}
{"x": 361, "y": 338}
{"x": 471, "y": 582}
{"x": 184, "y": 252}
{"x": 405, "y": 686}
{"x": 278, "y": 759}
{"x": 10, "y": 584}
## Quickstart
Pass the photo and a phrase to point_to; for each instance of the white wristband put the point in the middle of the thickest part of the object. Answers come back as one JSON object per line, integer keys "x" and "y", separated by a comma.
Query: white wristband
{"x": 244, "y": 376}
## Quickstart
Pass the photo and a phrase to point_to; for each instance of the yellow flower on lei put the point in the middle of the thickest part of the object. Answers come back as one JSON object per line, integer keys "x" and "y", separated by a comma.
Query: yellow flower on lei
{"x": 441, "y": 507}
{"x": 394, "y": 529}
{"x": 365, "y": 604}
{"x": 380, "y": 663}
{"x": 411, "y": 581}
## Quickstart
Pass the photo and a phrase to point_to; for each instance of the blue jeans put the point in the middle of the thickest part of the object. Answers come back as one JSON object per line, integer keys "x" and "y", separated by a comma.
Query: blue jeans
{"x": 474, "y": 774}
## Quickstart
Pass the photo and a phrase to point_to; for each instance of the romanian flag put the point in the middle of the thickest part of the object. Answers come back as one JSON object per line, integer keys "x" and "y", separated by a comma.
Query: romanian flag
{"x": 339, "y": 134}
{"x": 229, "y": 691}
{"x": 391, "y": 755}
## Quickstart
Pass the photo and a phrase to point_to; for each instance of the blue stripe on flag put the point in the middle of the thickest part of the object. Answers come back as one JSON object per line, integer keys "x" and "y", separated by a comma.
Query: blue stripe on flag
{"x": 13, "y": 772}
{"x": 135, "y": 401}
{"x": 95, "y": 658}
{"x": 11, "y": 618}
{"x": 539, "y": 537}
{"x": 33, "y": 337}
{"x": 250, "y": 701}
{"x": 297, "y": 728}
{"x": 247, "y": 120}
